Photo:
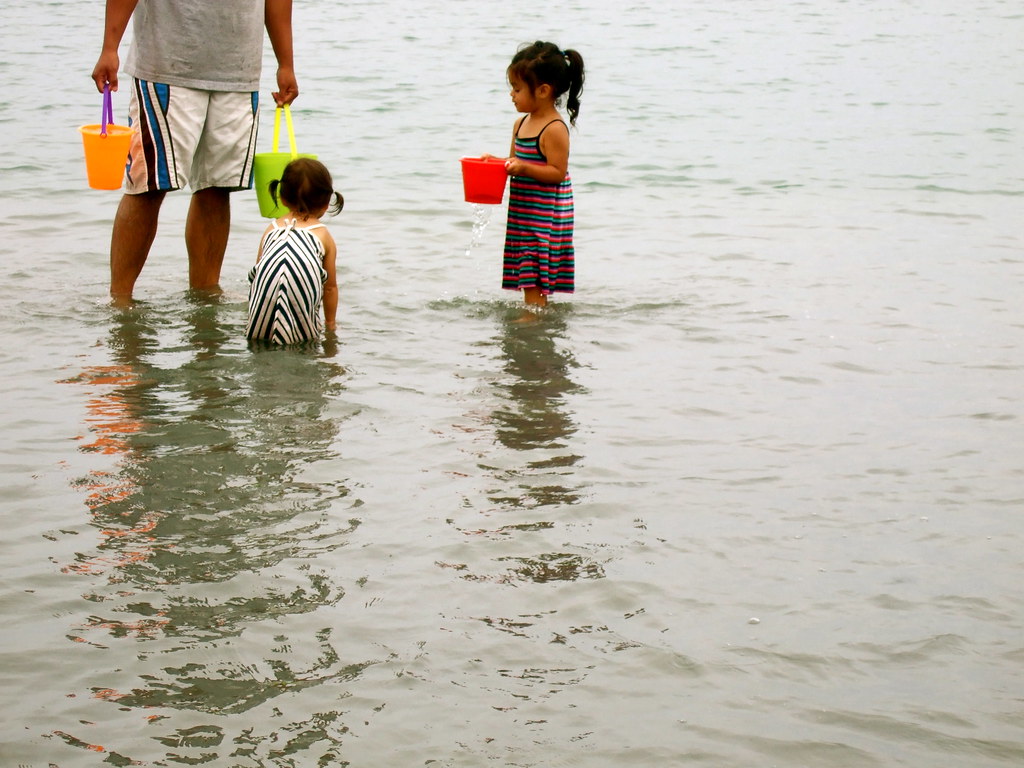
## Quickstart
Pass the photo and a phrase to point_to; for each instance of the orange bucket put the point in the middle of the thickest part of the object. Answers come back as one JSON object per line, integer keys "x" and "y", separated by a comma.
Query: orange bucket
{"x": 106, "y": 147}
{"x": 483, "y": 179}
{"x": 106, "y": 155}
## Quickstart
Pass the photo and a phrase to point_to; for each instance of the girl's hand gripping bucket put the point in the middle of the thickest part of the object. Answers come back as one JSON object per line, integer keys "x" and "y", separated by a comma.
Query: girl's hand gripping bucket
{"x": 483, "y": 179}
{"x": 106, "y": 148}
{"x": 268, "y": 166}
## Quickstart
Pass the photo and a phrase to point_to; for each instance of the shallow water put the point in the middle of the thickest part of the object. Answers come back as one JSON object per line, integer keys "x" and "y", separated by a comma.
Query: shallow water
{"x": 752, "y": 496}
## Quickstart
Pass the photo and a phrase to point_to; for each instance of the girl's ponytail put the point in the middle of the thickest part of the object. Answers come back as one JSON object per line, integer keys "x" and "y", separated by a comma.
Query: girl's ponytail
{"x": 576, "y": 77}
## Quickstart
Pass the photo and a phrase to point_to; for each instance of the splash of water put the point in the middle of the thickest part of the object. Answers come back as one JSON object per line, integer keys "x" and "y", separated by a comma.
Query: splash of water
{"x": 481, "y": 218}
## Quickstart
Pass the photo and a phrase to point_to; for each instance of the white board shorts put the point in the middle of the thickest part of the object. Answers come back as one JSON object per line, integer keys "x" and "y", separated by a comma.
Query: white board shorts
{"x": 202, "y": 138}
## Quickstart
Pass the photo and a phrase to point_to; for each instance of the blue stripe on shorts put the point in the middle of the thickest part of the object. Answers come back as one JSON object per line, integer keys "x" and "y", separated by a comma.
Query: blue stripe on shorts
{"x": 154, "y": 99}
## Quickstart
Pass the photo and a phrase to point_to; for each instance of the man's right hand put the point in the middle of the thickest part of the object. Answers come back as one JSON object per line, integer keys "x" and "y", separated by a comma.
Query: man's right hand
{"x": 105, "y": 71}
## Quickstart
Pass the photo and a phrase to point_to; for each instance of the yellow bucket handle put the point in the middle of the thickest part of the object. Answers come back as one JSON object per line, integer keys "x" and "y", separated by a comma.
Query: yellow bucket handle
{"x": 291, "y": 130}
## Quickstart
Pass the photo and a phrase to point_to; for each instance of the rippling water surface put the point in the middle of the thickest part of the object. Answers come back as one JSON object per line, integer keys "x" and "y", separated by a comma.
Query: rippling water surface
{"x": 753, "y": 496}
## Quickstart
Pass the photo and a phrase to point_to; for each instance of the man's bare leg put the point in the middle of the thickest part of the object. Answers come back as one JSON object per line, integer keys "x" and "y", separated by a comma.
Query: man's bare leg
{"x": 206, "y": 236}
{"x": 131, "y": 238}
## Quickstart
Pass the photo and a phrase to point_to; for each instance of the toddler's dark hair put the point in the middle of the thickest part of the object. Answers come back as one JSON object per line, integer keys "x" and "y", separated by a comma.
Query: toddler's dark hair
{"x": 543, "y": 63}
{"x": 306, "y": 187}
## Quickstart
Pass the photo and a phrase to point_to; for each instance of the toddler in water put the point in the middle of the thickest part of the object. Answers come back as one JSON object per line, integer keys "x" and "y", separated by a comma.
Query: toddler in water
{"x": 539, "y": 257}
{"x": 294, "y": 275}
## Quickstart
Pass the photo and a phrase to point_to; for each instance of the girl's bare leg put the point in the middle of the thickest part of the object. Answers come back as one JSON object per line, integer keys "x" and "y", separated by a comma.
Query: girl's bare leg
{"x": 534, "y": 297}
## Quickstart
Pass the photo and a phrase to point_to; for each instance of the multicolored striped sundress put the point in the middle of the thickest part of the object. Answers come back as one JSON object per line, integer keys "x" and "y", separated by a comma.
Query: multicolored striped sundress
{"x": 538, "y": 238}
{"x": 287, "y": 286}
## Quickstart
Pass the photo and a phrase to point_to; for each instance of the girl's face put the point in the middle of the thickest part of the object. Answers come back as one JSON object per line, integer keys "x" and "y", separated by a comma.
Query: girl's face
{"x": 522, "y": 96}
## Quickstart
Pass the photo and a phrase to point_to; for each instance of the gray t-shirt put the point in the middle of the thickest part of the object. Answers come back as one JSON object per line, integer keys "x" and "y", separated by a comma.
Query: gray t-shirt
{"x": 211, "y": 45}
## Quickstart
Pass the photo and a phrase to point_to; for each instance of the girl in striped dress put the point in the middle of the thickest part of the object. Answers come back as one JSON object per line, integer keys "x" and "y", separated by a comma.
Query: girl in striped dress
{"x": 539, "y": 255}
{"x": 294, "y": 275}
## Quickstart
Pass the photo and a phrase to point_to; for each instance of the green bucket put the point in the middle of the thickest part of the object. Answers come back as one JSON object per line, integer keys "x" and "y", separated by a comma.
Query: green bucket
{"x": 268, "y": 167}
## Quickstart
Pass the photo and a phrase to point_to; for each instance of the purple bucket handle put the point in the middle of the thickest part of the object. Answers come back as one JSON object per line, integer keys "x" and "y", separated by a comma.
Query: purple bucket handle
{"x": 108, "y": 110}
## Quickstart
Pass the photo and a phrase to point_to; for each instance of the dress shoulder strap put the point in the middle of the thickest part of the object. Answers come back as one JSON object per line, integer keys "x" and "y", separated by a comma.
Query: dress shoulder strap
{"x": 556, "y": 120}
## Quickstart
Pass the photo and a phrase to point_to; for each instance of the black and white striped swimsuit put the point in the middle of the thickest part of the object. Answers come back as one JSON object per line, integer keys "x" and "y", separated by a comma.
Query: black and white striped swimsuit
{"x": 287, "y": 286}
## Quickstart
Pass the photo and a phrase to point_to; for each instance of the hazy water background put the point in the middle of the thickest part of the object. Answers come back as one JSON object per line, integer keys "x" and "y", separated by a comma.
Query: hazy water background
{"x": 753, "y": 496}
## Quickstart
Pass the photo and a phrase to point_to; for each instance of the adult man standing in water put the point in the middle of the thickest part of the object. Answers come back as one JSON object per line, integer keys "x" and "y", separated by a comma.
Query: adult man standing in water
{"x": 195, "y": 67}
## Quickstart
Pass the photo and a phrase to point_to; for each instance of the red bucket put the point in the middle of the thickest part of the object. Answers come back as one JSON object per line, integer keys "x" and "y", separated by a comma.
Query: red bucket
{"x": 483, "y": 179}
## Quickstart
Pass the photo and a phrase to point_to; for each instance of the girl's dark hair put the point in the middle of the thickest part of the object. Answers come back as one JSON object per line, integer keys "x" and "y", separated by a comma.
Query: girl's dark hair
{"x": 306, "y": 187}
{"x": 543, "y": 63}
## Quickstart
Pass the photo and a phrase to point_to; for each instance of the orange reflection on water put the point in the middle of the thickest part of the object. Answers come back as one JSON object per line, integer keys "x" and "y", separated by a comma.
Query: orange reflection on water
{"x": 111, "y": 422}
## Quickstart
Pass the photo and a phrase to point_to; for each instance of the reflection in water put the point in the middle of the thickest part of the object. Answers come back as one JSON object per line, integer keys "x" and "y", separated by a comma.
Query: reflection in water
{"x": 544, "y": 568}
{"x": 535, "y": 416}
{"x": 535, "y": 422}
{"x": 530, "y": 570}
{"x": 207, "y": 528}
